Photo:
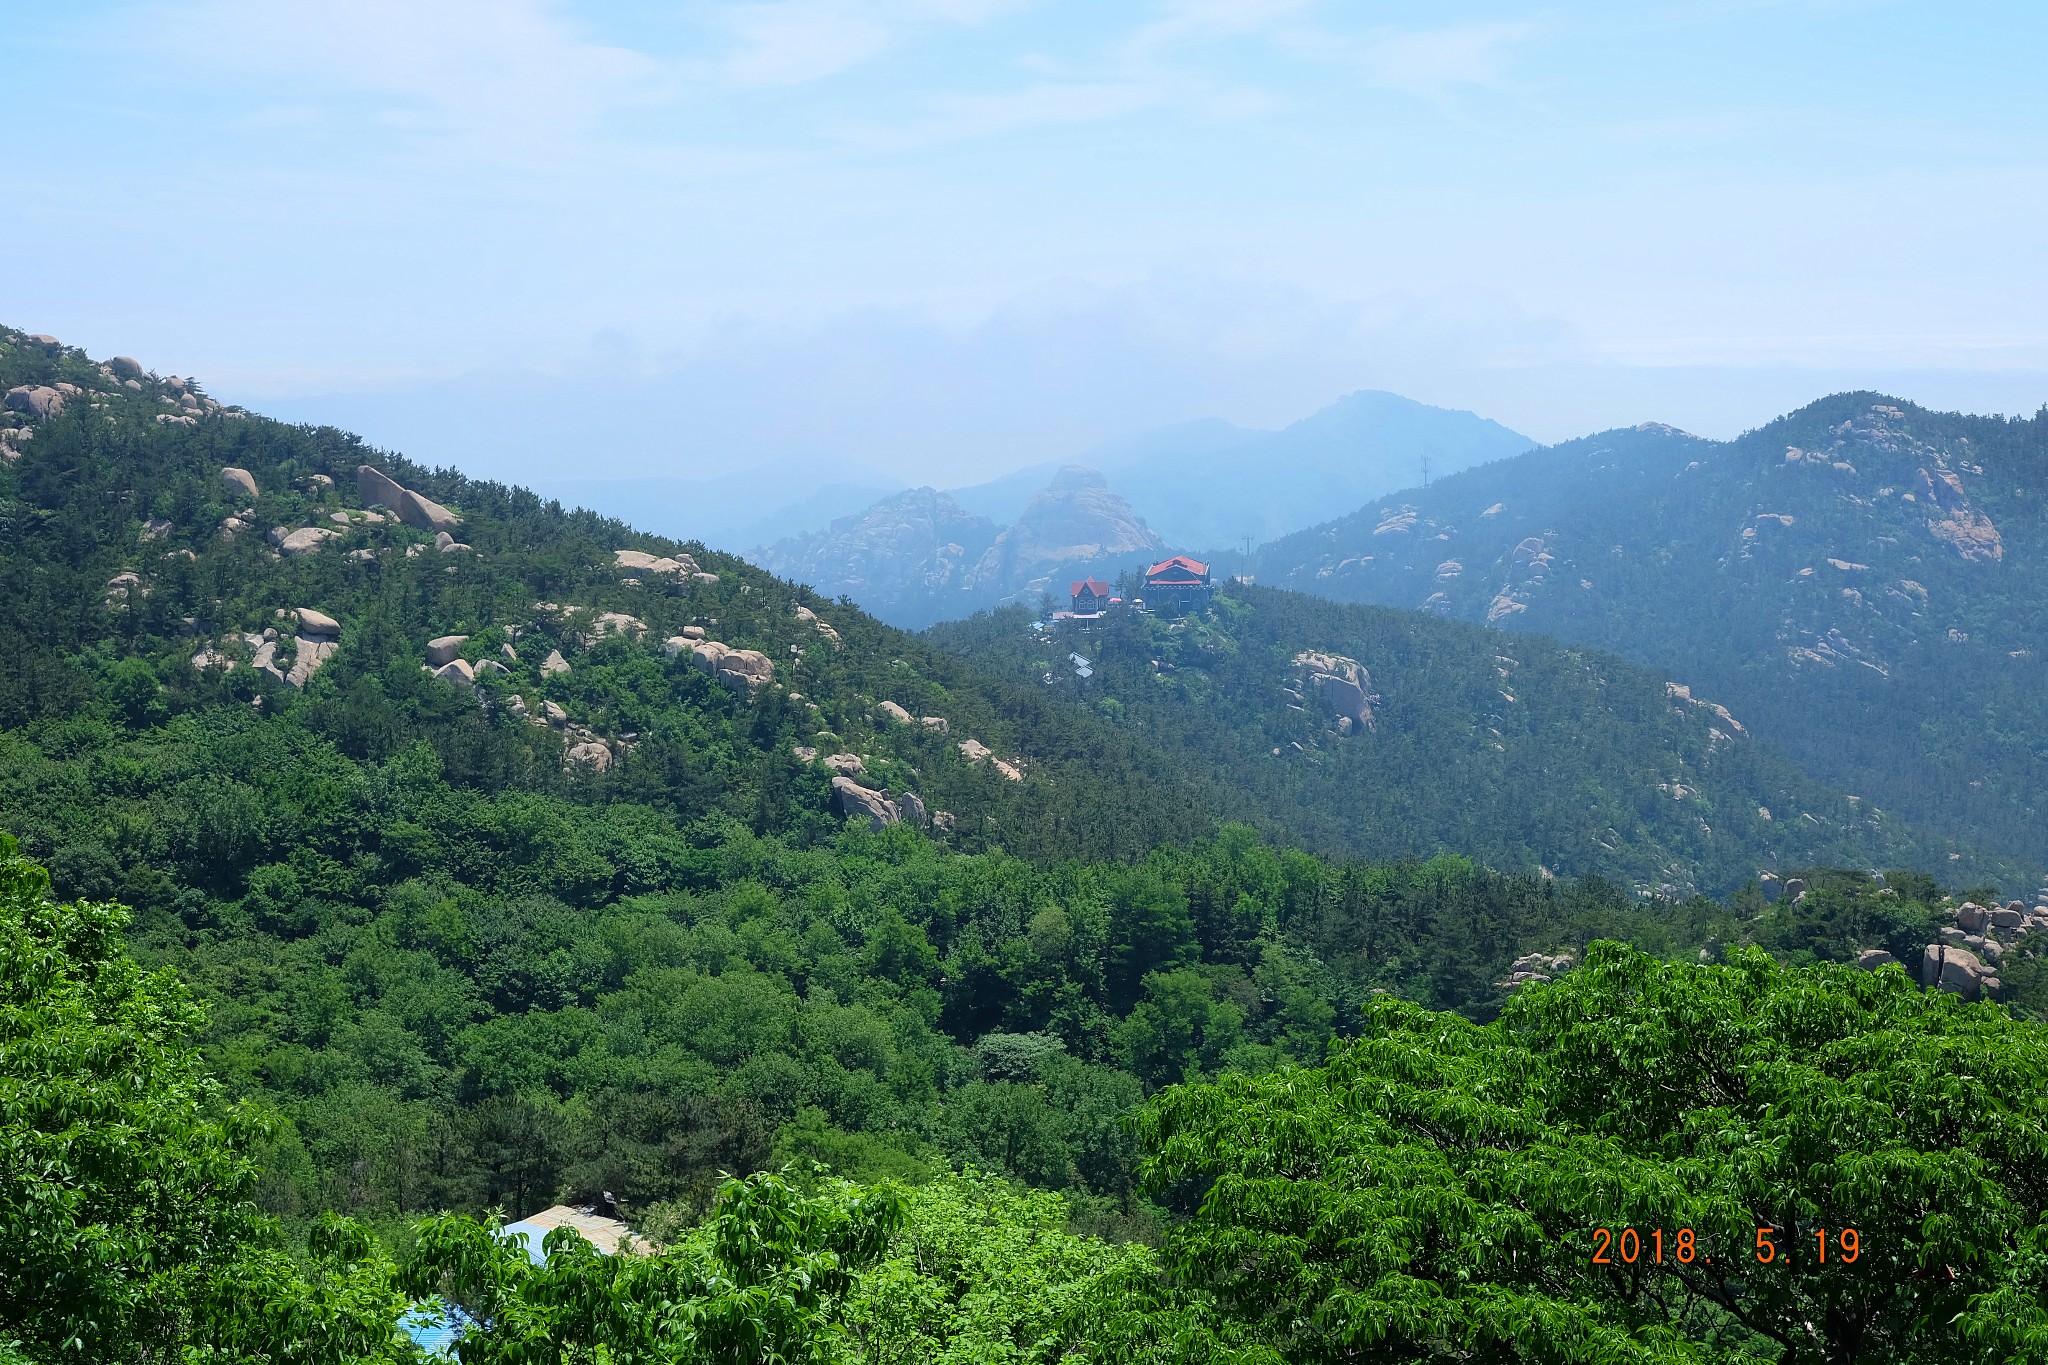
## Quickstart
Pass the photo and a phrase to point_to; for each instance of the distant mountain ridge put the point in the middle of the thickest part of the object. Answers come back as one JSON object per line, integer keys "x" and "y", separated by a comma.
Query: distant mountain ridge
{"x": 917, "y": 557}
{"x": 1863, "y": 581}
{"x": 1196, "y": 486}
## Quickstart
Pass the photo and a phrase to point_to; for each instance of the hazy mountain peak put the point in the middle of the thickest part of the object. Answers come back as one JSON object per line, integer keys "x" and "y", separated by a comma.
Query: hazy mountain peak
{"x": 1074, "y": 477}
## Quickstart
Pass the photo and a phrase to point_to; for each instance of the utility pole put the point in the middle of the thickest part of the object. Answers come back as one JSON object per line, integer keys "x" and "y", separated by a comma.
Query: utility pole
{"x": 1425, "y": 469}
{"x": 1244, "y": 568}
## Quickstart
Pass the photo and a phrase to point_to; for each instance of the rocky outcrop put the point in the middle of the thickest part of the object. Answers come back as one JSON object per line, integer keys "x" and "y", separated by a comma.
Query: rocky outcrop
{"x": 125, "y": 367}
{"x": 889, "y": 710}
{"x": 457, "y": 671}
{"x": 641, "y": 562}
{"x": 846, "y": 765}
{"x": 1944, "y": 966}
{"x": 855, "y": 800}
{"x": 748, "y": 668}
{"x": 1870, "y": 959}
{"x": 977, "y": 753}
{"x": 553, "y": 664}
{"x": 312, "y": 622}
{"x": 1073, "y": 522}
{"x": 593, "y": 754}
{"x": 1532, "y": 969}
{"x": 238, "y": 483}
{"x": 313, "y": 653}
{"x": 1955, "y": 519}
{"x": 443, "y": 649}
{"x": 824, "y": 628}
{"x": 37, "y": 402}
{"x": 1341, "y": 686}
{"x": 377, "y": 488}
{"x": 306, "y": 540}
{"x": 1679, "y": 692}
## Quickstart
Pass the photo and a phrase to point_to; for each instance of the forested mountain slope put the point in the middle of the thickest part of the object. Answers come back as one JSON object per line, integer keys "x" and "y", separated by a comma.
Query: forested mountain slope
{"x": 1862, "y": 582}
{"x": 134, "y": 574}
{"x": 1384, "y": 733}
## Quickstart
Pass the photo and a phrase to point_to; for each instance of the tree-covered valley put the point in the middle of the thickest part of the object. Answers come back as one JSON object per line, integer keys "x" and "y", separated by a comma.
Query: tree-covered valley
{"x": 393, "y": 850}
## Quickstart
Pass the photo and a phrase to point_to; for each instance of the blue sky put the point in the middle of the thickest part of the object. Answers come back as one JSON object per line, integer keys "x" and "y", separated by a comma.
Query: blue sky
{"x": 945, "y": 237}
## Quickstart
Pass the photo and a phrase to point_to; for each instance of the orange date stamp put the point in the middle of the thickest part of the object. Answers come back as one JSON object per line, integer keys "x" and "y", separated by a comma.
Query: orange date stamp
{"x": 1831, "y": 1246}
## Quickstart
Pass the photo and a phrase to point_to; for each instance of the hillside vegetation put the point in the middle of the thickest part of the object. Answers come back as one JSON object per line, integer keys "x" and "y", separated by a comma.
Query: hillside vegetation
{"x": 1386, "y": 733}
{"x": 396, "y": 851}
{"x": 1860, "y": 582}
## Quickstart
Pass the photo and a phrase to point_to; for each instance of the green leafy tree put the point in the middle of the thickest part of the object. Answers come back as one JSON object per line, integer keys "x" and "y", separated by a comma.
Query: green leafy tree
{"x": 762, "y": 1282}
{"x": 1437, "y": 1191}
{"x": 124, "y": 1173}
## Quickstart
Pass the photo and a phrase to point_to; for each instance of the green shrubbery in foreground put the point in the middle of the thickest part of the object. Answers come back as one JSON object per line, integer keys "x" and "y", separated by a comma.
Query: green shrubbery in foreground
{"x": 1431, "y": 1193}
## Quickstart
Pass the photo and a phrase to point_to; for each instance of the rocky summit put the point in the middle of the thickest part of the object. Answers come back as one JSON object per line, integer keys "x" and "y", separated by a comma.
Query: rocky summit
{"x": 917, "y": 557}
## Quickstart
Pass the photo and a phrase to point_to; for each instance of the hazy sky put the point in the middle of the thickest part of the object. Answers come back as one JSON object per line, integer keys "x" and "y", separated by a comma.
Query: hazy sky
{"x": 947, "y": 236}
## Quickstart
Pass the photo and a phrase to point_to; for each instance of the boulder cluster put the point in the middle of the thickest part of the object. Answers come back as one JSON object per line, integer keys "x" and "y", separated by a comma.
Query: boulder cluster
{"x": 1967, "y": 957}
{"x": 747, "y": 668}
{"x": 314, "y": 642}
{"x": 1341, "y": 687}
{"x": 977, "y": 753}
{"x": 851, "y": 797}
{"x": 677, "y": 567}
{"x": 1533, "y": 968}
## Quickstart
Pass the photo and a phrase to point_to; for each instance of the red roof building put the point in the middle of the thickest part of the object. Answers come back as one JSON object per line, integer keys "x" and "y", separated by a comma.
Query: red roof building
{"x": 1090, "y": 596}
{"x": 1177, "y": 585}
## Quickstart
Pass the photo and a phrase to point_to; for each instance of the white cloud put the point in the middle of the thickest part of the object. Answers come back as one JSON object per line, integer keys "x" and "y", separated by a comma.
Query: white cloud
{"x": 494, "y": 70}
{"x": 792, "y": 42}
{"x": 1424, "y": 62}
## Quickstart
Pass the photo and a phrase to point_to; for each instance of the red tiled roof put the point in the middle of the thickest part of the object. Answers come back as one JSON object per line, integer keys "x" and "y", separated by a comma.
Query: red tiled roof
{"x": 1181, "y": 562}
{"x": 1094, "y": 585}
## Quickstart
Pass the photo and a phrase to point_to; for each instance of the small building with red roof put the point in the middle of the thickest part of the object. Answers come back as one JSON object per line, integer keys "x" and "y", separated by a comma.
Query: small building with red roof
{"x": 1178, "y": 585}
{"x": 1090, "y": 596}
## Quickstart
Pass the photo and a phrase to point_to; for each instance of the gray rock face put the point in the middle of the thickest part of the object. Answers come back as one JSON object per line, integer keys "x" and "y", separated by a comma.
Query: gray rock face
{"x": 238, "y": 483}
{"x": 747, "y": 668}
{"x": 2005, "y": 917}
{"x": 314, "y": 651}
{"x": 592, "y": 754}
{"x": 38, "y": 402}
{"x": 1944, "y": 966}
{"x": 156, "y": 528}
{"x": 889, "y": 710}
{"x": 1795, "y": 887}
{"x": 313, "y": 622}
{"x": 443, "y": 649}
{"x": 855, "y": 800}
{"x": 374, "y": 486}
{"x": 1971, "y": 917}
{"x": 457, "y": 671}
{"x": 1342, "y": 686}
{"x": 846, "y": 765}
{"x": 125, "y": 367}
{"x": 1870, "y": 959}
{"x": 553, "y": 664}
{"x": 641, "y": 562}
{"x": 304, "y": 541}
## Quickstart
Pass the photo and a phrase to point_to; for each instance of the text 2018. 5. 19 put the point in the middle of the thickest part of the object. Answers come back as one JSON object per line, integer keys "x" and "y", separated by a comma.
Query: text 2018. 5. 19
{"x": 1829, "y": 1246}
